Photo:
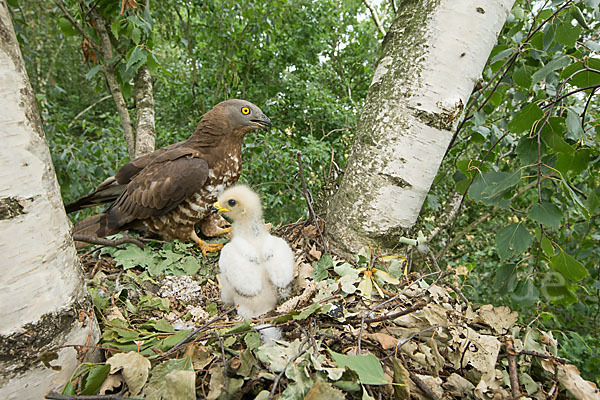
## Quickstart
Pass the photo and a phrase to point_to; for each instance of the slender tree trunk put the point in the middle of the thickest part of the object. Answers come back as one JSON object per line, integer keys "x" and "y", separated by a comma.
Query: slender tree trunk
{"x": 42, "y": 287}
{"x": 145, "y": 134}
{"x": 113, "y": 84}
{"x": 432, "y": 55}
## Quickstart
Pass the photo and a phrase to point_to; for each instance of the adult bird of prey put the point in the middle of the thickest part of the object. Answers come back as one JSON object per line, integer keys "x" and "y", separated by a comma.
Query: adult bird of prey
{"x": 256, "y": 267}
{"x": 170, "y": 190}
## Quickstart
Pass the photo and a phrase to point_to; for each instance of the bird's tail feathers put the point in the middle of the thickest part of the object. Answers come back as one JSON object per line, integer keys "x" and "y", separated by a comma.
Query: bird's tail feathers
{"x": 95, "y": 226}
{"x": 107, "y": 192}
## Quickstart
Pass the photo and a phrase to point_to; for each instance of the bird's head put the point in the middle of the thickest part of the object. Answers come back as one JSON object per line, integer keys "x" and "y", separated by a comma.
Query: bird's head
{"x": 239, "y": 203}
{"x": 241, "y": 116}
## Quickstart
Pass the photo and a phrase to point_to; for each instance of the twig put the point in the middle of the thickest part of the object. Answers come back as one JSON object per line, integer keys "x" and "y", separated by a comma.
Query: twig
{"x": 512, "y": 369}
{"x": 587, "y": 103}
{"x": 307, "y": 196}
{"x": 458, "y": 292}
{"x": 301, "y": 351}
{"x": 76, "y": 25}
{"x": 423, "y": 386}
{"x": 88, "y": 108}
{"x": 196, "y": 331}
{"x": 362, "y": 323}
{"x": 107, "y": 242}
{"x": 58, "y": 396}
{"x": 409, "y": 310}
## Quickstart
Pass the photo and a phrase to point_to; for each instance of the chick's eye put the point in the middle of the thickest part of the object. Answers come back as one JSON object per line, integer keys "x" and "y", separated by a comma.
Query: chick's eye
{"x": 245, "y": 110}
{"x": 231, "y": 203}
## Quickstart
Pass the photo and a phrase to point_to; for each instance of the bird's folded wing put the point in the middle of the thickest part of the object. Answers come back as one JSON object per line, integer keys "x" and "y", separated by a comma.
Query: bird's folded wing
{"x": 157, "y": 189}
{"x": 278, "y": 261}
{"x": 238, "y": 263}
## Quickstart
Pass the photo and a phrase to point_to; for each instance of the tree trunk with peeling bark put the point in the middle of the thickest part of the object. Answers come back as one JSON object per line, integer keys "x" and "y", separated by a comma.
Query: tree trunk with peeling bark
{"x": 42, "y": 284}
{"x": 145, "y": 134}
{"x": 432, "y": 55}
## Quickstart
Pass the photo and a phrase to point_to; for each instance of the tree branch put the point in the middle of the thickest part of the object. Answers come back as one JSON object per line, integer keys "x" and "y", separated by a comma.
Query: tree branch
{"x": 88, "y": 108}
{"x": 113, "y": 85}
{"x": 374, "y": 16}
{"x": 107, "y": 242}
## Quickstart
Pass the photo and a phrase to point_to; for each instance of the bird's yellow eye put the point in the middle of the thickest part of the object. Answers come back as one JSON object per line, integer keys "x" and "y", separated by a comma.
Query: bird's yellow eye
{"x": 245, "y": 110}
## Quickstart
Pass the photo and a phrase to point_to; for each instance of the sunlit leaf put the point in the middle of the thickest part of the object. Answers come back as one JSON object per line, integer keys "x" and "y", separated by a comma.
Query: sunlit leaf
{"x": 546, "y": 213}
{"x": 367, "y": 367}
{"x": 568, "y": 266}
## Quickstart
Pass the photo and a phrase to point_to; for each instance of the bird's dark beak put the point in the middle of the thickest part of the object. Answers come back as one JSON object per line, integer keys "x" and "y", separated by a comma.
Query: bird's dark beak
{"x": 263, "y": 122}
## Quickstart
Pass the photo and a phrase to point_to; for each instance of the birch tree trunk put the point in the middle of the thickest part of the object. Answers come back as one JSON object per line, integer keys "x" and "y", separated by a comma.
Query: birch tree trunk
{"x": 42, "y": 290}
{"x": 432, "y": 56}
{"x": 145, "y": 134}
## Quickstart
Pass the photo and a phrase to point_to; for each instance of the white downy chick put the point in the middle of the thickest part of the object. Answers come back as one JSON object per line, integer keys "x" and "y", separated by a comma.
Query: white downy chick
{"x": 255, "y": 266}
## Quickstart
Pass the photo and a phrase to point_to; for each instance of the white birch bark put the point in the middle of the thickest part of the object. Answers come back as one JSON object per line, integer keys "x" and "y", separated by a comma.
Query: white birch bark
{"x": 145, "y": 134}
{"x": 41, "y": 285}
{"x": 432, "y": 56}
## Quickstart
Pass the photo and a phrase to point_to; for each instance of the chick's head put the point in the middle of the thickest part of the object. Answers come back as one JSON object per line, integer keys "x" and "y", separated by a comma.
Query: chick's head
{"x": 239, "y": 203}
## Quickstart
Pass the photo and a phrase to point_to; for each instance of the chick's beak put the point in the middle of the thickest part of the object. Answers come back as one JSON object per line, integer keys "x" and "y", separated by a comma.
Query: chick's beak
{"x": 216, "y": 207}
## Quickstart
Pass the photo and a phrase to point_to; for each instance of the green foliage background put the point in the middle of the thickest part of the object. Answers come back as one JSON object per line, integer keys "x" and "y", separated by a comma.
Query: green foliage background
{"x": 526, "y": 158}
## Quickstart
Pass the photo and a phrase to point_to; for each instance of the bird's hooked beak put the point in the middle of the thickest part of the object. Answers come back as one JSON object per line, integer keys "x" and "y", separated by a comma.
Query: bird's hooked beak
{"x": 263, "y": 122}
{"x": 216, "y": 207}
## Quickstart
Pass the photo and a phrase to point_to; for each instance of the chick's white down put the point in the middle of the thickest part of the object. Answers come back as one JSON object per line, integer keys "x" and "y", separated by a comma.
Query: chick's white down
{"x": 255, "y": 266}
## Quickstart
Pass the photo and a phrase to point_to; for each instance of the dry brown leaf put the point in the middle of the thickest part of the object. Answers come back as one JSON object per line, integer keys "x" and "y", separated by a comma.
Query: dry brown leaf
{"x": 310, "y": 231}
{"x": 500, "y": 319}
{"x": 113, "y": 312}
{"x": 134, "y": 369}
{"x": 110, "y": 383}
{"x": 314, "y": 253}
{"x": 386, "y": 341}
{"x": 570, "y": 378}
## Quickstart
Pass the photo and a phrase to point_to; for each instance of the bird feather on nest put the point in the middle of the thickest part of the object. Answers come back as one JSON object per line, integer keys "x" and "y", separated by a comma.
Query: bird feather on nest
{"x": 256, "y": 267}
{"x": 172, "y": 189}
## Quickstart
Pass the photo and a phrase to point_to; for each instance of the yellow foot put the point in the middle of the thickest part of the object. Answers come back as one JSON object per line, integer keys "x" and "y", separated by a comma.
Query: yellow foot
{"x": 206, "y": 247}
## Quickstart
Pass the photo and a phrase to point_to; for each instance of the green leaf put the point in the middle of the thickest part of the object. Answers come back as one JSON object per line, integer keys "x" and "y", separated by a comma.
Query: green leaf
{"x": 576, "y": 162}
{"x": 320, "y": 268}
{"x": 95, "y": 378}
{"x": 524, "y": 119}
{"x": 568, "y": 266}
{"x": 136, "y": 35}
{"x": 553, "y": 65}
{"x": 489, "y": 187}
{"x": 571, "y": 195}
{"x": 560, "y": 294}
{"x": 93, "y": 71}
{"x": 567, "y": 34}
{"x": 172, "y": 340}
{"x": 546, "y": 214}
{"x": 252, "y": 340}
{"x": 576, "y": 12}
{"x": 163, "y": 326}
{"x": 511, "y": 240}
{"x": 527, "y": 150}
{"x": 66, "y": 27}
{"x": 138, "y": 58}
{"x": 133, "y": 256}
{"x": 115, "y": 28}
{"x": 547, "y": 247}
{"x": 582, "y": 78}
{"x": 522, "y": 76}
{"x": 506, "y": 278}
{"x": 574, "y": 126}
{"x": 307, "y": 312}
{"x": 367, "y": 367}
{"x": 552, "y": 136}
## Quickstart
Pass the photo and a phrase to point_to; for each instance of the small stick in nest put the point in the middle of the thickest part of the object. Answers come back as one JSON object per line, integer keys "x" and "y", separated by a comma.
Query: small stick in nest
{"x": 107, "y": 242}
{"x": 308, "y": 196}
